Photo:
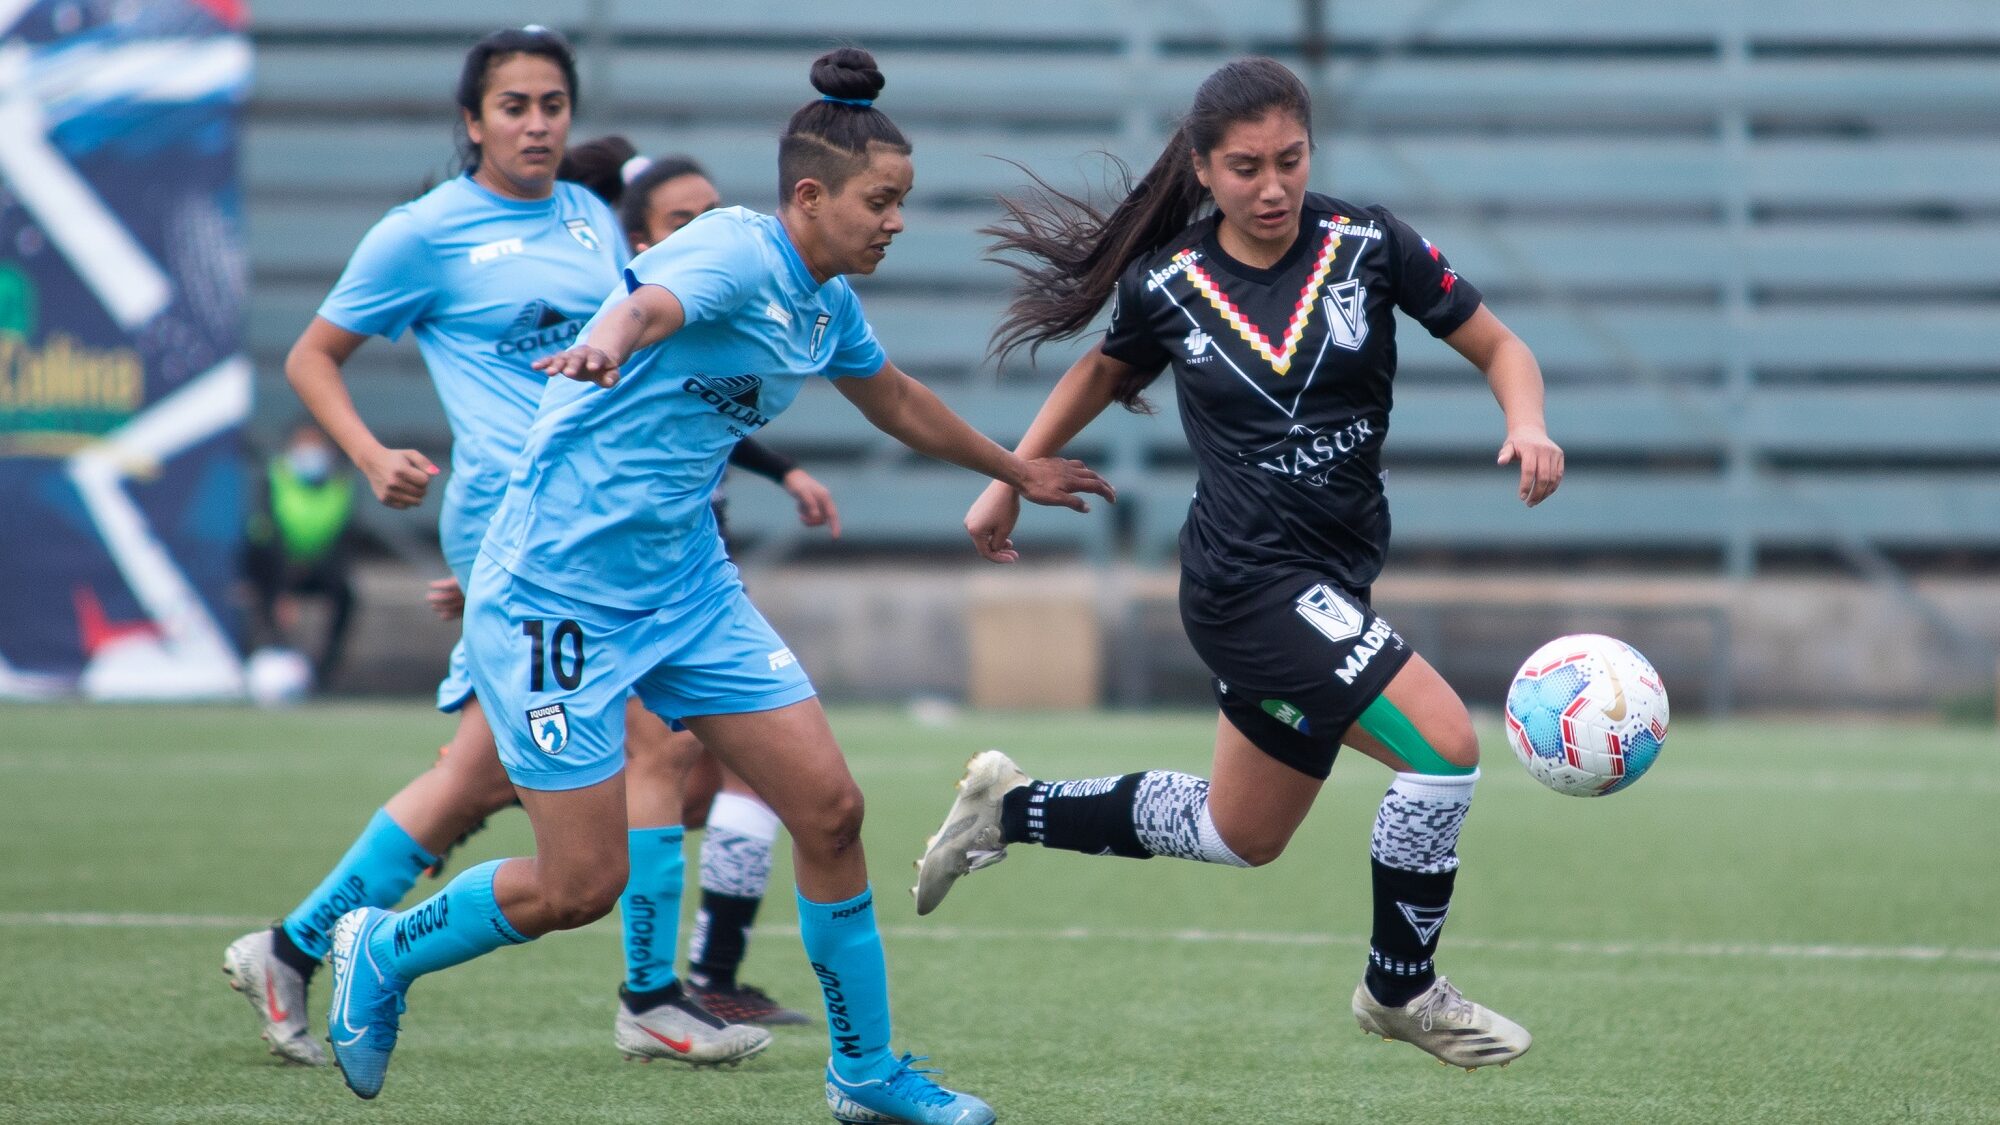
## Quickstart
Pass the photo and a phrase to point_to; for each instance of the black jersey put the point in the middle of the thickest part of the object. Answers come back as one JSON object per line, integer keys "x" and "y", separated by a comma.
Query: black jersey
{"x": 1284, "y": 380}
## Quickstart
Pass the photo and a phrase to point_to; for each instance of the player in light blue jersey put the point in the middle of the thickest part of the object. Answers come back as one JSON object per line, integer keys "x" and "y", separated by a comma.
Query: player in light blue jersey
{"x": 490, "y": 271}
{"x": 602, "y": 573}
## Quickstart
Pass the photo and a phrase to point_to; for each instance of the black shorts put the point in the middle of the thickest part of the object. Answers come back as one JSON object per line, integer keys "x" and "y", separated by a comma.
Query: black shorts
{"x": 1296, "y": 660}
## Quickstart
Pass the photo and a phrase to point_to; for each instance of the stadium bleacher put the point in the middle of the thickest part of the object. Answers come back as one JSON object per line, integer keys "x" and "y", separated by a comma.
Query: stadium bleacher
{"x": 1750, "y": 243}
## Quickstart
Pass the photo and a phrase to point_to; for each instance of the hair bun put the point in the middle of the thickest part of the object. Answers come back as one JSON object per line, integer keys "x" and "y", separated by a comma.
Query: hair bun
{"x": 847, "y": 72}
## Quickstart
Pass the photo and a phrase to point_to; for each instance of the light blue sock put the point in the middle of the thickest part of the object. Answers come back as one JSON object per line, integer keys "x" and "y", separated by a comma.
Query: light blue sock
{"x": 651, "y": 906}
{"x": 845, "y": 949}
{"x": 378, "y": 870}
{"x": 454, "y": 925}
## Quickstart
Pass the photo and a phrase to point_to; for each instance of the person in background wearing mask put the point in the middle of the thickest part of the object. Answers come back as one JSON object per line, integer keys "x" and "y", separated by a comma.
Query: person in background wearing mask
{"x": 298, "y": 545}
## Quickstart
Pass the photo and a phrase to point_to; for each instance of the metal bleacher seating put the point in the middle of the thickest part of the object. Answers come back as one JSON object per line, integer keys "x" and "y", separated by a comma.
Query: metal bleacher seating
{"x": 1751, "y": 243}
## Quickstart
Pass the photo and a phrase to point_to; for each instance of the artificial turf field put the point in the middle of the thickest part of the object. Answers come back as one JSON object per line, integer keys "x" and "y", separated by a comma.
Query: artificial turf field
{"x": 1783, "y": 922}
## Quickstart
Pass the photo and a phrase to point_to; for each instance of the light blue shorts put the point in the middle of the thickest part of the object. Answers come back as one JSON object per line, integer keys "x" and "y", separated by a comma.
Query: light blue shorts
{"x": 553, "y": 671}
{"x": 456, "y": 687}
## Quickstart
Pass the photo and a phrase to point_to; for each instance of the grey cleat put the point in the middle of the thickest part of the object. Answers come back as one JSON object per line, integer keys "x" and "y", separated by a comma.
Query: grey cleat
{"x": 1442, "y": 1022}
{"x": 679, "y": 1028}
{"x": 277, "y": 993}
{"x": 970, "y": 837}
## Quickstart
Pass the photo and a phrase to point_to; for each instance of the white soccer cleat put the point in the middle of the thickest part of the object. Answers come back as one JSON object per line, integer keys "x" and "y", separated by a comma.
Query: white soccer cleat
{"x": 679, "y": 1028}
{"x": 277, "y": 993}
{"x": 970, "y": 837}
{"x": 1444, "y": 1023}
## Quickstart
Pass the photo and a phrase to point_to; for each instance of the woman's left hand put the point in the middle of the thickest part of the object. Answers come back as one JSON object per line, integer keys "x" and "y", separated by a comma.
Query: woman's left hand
{"x": 815, "y": 502}
{"x": 1541, "y": 463}
{"x": 1060, "y": 483}
{"x": 446, "y": 599}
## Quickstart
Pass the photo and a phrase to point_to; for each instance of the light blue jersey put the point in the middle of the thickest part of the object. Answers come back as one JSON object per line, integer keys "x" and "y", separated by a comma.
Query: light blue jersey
{"x": 488, "y": 285}
{"x": 609, "y": 504}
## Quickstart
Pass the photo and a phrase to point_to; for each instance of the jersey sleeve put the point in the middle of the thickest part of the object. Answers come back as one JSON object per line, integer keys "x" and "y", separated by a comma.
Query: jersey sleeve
{"x": 1131, "y": 339}
{"x": 389, "y": 284}
{"x": 1427, "y": 288}
{"x": 709, "y": 265}
{"x": 856, "y": 353}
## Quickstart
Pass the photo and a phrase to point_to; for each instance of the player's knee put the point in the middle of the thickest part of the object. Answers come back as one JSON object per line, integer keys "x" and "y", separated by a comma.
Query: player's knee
{"x": 1256, "y": 843}
{"x": 1256, "y": 848}
{"x": 583, "y": 899}
{"x": 1457, "y": 744}
{"x": 834, "y": 826}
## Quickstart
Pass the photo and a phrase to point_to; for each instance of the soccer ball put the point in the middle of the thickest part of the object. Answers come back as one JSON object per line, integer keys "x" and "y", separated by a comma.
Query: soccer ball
{"x": 1587, "y": 715}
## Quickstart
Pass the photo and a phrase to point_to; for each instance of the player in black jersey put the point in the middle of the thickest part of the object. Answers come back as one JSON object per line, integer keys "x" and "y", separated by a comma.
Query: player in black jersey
{"x": 1275, "y": 308}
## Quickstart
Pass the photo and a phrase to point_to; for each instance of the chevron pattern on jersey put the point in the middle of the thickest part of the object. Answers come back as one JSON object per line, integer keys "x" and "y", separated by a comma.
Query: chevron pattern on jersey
{"x": 1280, "y": 359}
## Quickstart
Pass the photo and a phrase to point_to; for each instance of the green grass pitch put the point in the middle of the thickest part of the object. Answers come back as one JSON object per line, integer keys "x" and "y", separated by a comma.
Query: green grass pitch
{"x": 1784, "y": 922}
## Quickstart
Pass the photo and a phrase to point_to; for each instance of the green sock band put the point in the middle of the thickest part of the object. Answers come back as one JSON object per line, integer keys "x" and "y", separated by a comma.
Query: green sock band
{"x": 1394, "y": 729}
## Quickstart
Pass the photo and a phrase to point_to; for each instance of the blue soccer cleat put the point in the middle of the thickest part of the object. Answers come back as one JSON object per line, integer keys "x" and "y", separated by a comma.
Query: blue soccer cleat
{"x": 905, "y": 1096}
{"x": 361, "y": 1019}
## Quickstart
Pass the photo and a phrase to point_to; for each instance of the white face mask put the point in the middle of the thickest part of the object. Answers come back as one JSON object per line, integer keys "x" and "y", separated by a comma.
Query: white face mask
{"x": 310, "y": 463}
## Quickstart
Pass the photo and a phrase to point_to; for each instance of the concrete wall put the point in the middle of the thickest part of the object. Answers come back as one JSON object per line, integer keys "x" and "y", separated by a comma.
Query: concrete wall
{"x": 1072, "y": 634}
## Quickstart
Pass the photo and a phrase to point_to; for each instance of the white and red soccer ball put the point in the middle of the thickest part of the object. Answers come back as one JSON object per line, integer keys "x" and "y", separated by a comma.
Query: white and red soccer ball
{"x": 1587, "y": 715}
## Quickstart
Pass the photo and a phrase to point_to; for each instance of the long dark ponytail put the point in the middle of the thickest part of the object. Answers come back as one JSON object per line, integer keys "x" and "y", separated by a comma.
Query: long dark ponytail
{"x": 1069, "y": 253}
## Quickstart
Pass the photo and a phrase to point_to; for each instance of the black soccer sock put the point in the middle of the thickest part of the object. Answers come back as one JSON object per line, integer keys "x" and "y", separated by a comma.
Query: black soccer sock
{"x": 1414, "y": 859}
{"x": 1409, "y": 913}
{"x": 286, "y": 950}
{"x": 1139, "y": 815}
{"x": 639, "y": 1003}
{"x": 721, "y": 935}
{"x": 1093, "y": 816}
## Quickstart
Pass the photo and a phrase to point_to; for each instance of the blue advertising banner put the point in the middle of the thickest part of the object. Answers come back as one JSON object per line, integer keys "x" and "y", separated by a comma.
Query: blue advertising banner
{"x": 123, "y": 387}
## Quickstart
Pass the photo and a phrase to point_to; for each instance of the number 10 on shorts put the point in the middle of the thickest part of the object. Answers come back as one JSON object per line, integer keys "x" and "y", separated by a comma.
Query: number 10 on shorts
{"x": 558, "y": 652}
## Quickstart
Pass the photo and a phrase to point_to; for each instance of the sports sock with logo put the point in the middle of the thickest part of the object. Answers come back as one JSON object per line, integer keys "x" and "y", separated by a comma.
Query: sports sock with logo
{"x": 1414, "y": 858}
{"x": 1139, "y": 815}
{"x": 450, "y": 927}
{"x": 735, "y": 872}
{"x": 379, "y": 868}
{"x": 845, "y": 949}
{"x": 650, "y": 908}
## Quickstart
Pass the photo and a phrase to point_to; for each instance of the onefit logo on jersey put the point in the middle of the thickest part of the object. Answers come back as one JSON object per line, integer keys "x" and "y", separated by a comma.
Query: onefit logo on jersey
{"x": 1197, "y": 344}
{"x": 1347, "y": 314}
{"x": 579, "y": 229}
{"x": 549, "y": 727}
{"x": 539, "y": 327}
{"x": 733, "y": 396}
{"x": 1324, "y": 609}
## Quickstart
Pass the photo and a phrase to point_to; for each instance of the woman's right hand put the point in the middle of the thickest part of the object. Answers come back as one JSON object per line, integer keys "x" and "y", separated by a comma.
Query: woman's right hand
{"x": 581, "y": 362}
{"x": 990, "y": 521}
{"x": 399, "y": 476}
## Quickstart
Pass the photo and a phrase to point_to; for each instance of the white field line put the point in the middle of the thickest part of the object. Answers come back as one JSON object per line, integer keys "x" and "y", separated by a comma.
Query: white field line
{"x": 1802, "y": 951}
